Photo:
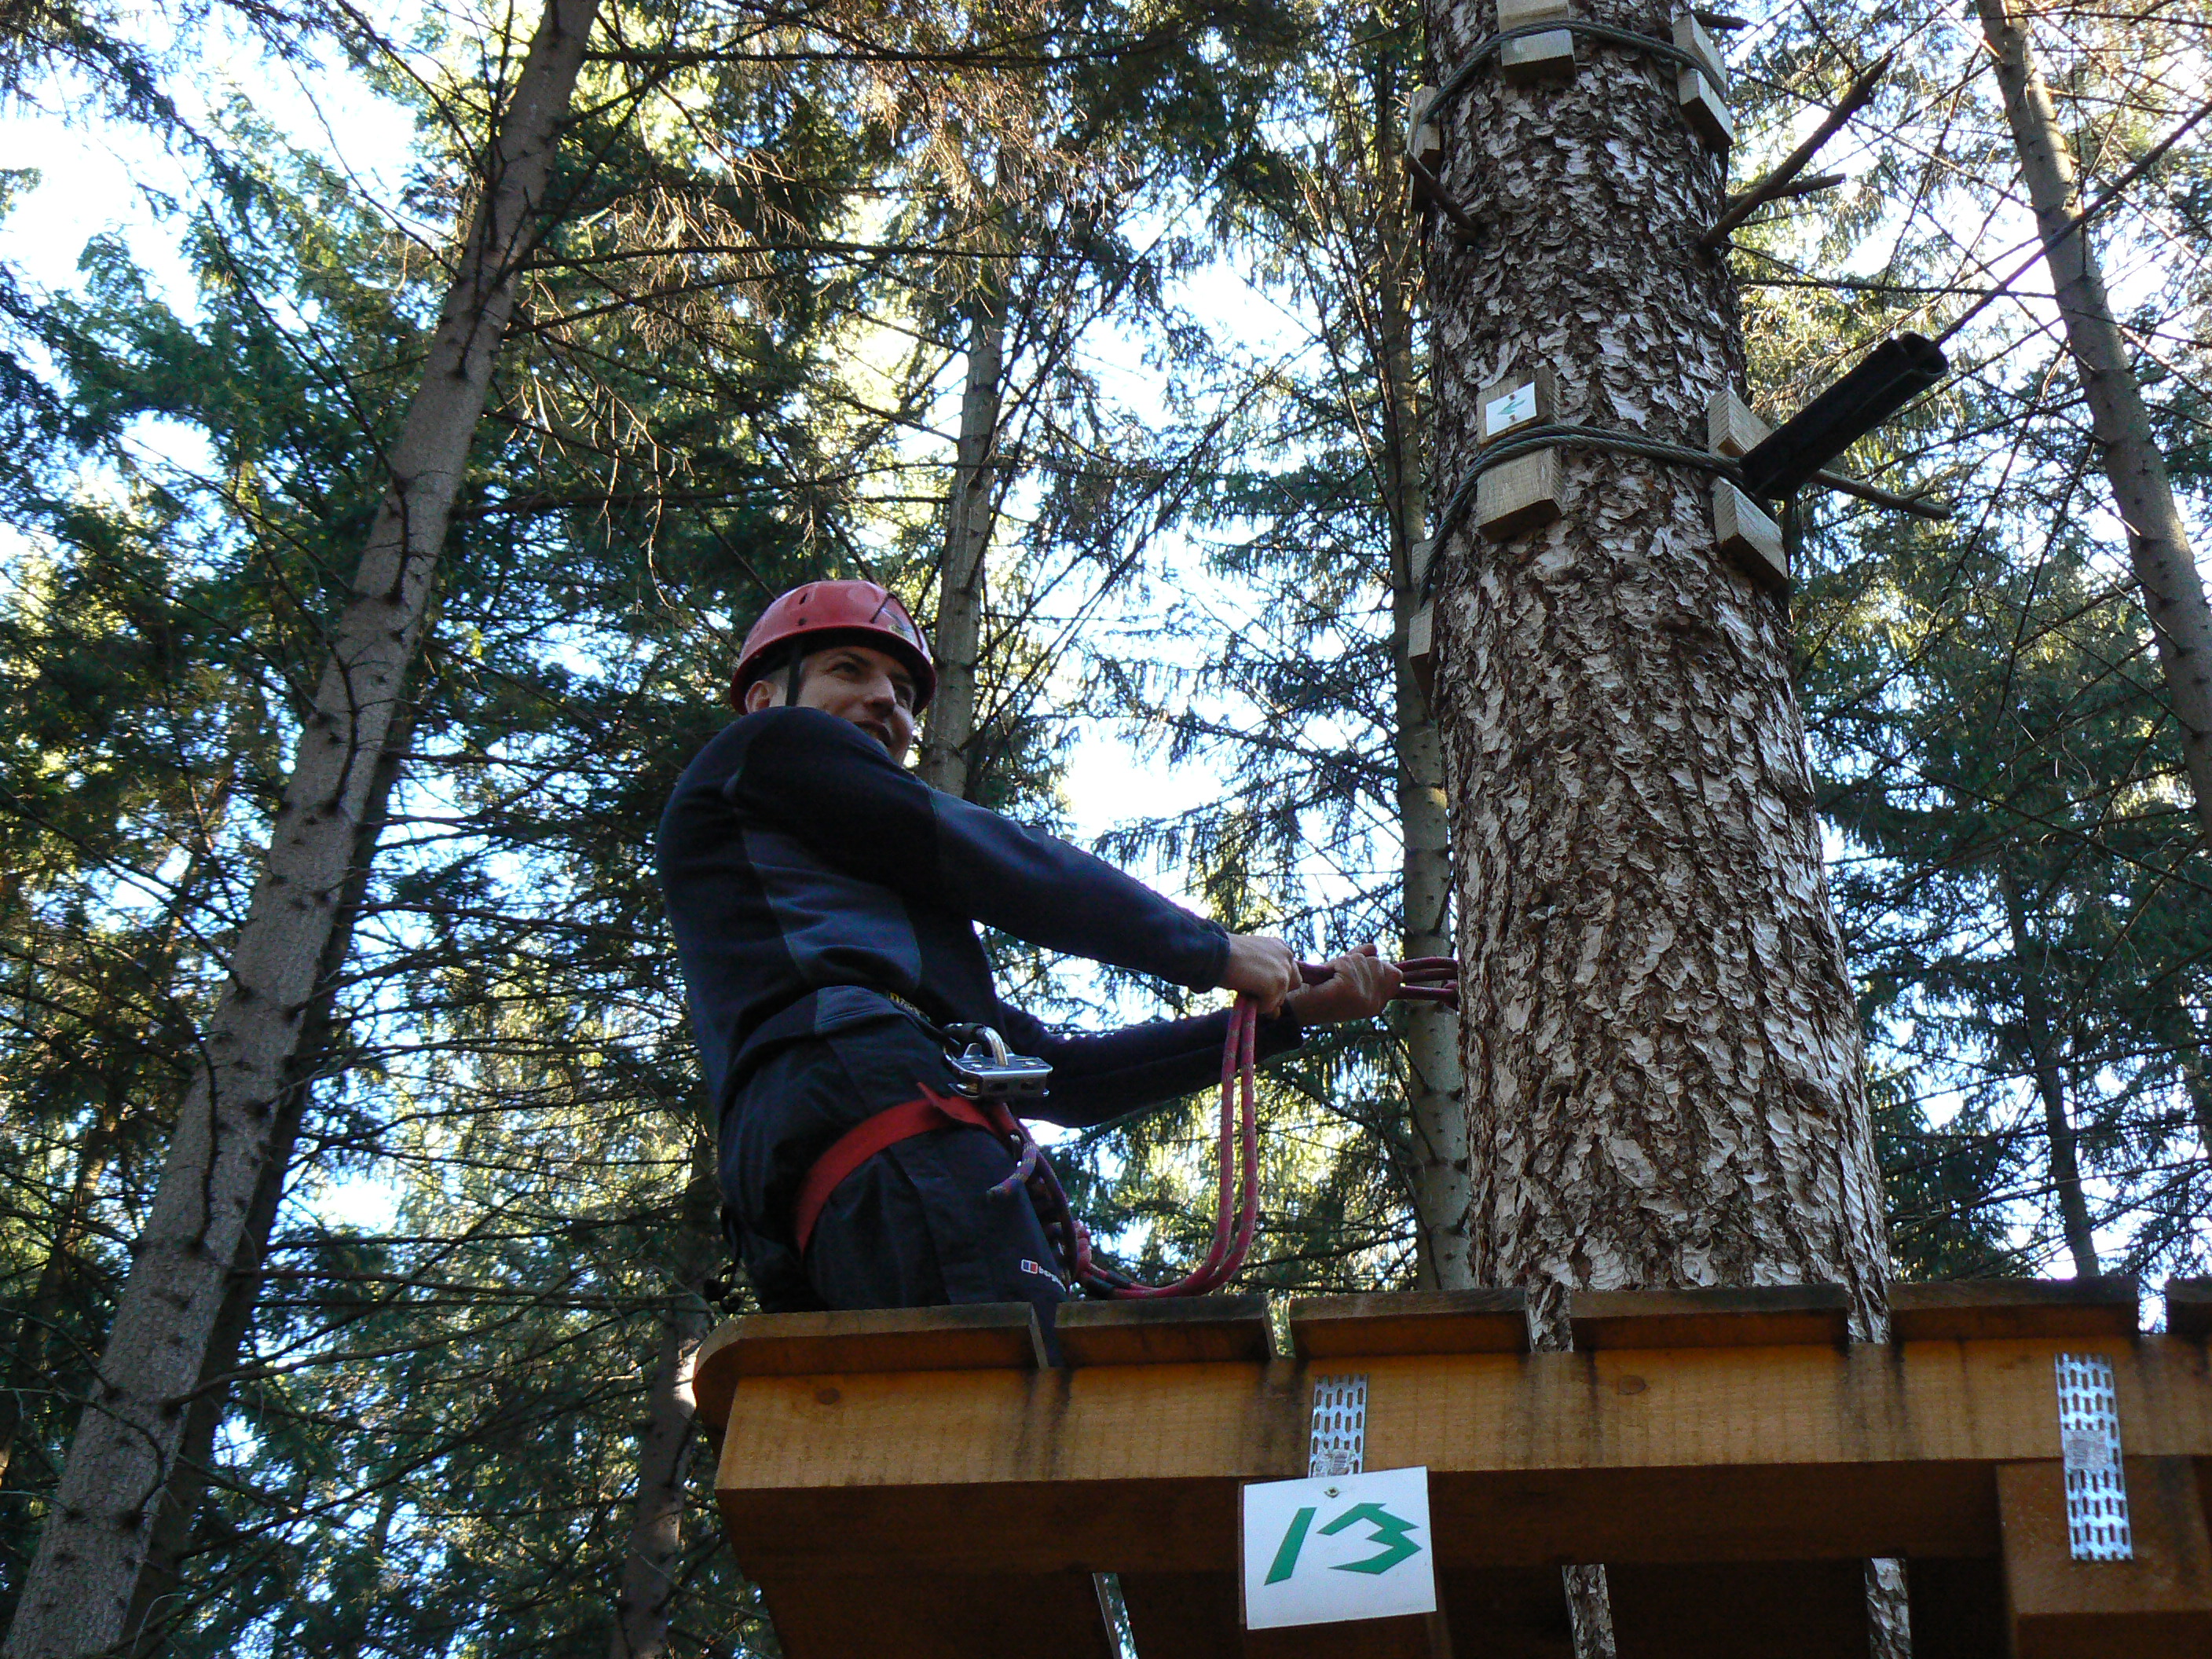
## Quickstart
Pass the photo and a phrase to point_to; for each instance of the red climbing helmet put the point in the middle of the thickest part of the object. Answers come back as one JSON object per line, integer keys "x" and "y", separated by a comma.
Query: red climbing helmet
{"x": 834, "y": 613}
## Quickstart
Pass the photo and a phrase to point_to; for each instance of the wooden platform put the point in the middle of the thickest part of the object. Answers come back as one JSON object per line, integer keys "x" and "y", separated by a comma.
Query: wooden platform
{"x": 916, "y": 1485}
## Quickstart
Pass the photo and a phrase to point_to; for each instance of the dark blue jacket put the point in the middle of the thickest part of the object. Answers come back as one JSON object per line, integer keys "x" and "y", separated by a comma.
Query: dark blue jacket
{"x": 806, "y": 873}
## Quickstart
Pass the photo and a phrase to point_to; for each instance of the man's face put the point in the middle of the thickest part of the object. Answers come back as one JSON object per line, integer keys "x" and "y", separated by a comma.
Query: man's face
{"x": 857, "y": 683}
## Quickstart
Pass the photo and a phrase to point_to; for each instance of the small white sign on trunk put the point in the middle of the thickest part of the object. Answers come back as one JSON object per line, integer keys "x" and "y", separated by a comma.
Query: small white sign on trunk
{"x": 1338, "y": 1547}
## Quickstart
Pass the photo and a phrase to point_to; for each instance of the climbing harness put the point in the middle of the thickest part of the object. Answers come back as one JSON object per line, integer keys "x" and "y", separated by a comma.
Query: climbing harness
{"x": 988, "y": 1078}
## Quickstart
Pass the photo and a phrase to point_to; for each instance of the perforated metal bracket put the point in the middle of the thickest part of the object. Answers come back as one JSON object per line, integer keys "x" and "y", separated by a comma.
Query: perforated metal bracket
{"x": 1339, "y": 1425}
{"x": 2089, "y": 1448}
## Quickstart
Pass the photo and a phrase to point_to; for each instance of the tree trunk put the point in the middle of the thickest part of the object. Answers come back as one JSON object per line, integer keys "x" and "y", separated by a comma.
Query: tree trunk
{"x": 969, "y": 514}
{"x": 155, "y": 1600}
{"x": 2043, "y": 1043}
{"x": 178, "y": 1324}
{"x": 644, "y": 1609}
{"x": 1436, "y": 1100}
{"x": 1664, "y": 1080}
{"x": 2158, "y": 541}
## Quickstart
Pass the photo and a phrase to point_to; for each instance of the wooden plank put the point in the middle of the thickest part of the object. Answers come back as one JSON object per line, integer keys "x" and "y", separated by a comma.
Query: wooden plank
{"x": 2158, "y": 1605}
{"x": 1183, "y": 1615}
{"x": 1691, "y": 37}
{"x": 1979, "y": 1309}
{"x": 1742, "y": 531}
{"x": 1956, "y": 1608}
{"x": 976, "y": 1336}
{"x": 1807, "y": 1609}
{"x": 2189, "y": 1308}
{"x": 1683, "y": 1455}
{"x": 1759, "y": 1315}
{"x": 1519, "y": 495}
{"x": 1508, "y": 1613}
{"x": 1707, "y": 109}
{"x": 1410, "y": 1321}
{"x": 1412, "y": 1637}
{"x": 902, "y": 1614}
{"x": 1170, "y": 1331}
{"x": 1536, "y": 57}
{"x": 1731, "y": 428}
{"x": 1421, "y": 648}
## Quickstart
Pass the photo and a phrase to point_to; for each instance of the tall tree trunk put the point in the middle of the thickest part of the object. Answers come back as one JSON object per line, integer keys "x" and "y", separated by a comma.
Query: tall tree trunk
{"x": 969, "y": 514}
{"x": 646, "y": 1604}
{"x": 178, "y": 1325}
{"x": 1435, "y": 1097}
{"x": 2031, "y": 959}
{"x": 1663, "y": 1071}
{"x": 2158, "y": 541}
{"x": 156, "y": 1601}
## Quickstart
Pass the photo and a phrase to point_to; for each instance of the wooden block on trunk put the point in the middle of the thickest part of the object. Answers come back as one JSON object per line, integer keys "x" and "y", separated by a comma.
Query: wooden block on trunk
{"x": 2158, "y": 1605}
{"x": 1167, "y": 1332}
{"x": 1548, "y": 57}
{"x": 1725, "y": 1316}
{"x": 1410, "y": 1321}
{"x": 1707, "y": 109}
{"x": 2189, "y": 1308}
{"x": 1742, "y": 1610}
{"x": 1982, "y": 1310}
{"x": 1425, "y": 139}
{"x": 1746, "y": 535}
{"x": 1690, "y": 35}
{"x": 1518, "y": 400}
{"x": 1421, "y": 649}
{"x": 975, "y": 1336}
{"x": 1731, "y": 428}
{"x": 1523, "y": 492}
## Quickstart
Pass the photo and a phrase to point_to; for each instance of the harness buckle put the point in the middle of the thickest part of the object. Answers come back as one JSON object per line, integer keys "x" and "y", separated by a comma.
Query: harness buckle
{"x": 984, "y": 1068}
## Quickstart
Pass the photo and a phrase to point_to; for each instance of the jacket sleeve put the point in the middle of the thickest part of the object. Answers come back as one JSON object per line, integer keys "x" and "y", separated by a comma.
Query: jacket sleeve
{"x": 1097, "y": 1077}
{"x": 826, "y": 783}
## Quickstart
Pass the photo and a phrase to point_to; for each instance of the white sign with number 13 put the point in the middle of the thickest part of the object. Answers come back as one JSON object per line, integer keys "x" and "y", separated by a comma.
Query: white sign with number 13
{"x": 1338, "y": 1547}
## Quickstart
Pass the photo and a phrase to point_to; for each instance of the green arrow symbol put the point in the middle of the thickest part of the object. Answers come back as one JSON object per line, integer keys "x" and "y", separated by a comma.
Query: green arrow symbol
{"x": 1389, "y": 1532}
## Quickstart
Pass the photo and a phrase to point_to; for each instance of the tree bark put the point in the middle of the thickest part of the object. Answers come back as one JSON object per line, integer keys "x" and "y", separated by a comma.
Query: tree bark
{"x": 2158, "y": 541}
{"x": 1664, "y": 1083}
{"x": 178, "y": 1327}
{"x": 970, "y": 512}
{"x": 2029, "y": 959}
{"x": 645, "y": 1608}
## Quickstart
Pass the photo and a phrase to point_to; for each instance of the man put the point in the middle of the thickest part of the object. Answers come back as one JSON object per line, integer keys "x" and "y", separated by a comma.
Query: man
{"x": 824, "y": 902}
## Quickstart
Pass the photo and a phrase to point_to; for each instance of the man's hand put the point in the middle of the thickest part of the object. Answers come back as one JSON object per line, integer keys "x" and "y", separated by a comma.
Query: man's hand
{"x": 1260, "y": 967}
{"x": 1362, "y": 984}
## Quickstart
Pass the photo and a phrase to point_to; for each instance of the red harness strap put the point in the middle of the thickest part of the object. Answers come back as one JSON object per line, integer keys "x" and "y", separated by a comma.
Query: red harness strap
{"x": 863, "y": 1141}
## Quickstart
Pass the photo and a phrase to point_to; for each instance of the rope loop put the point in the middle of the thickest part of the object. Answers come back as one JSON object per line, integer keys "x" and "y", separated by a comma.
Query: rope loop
{"x": 1556, "y": 435}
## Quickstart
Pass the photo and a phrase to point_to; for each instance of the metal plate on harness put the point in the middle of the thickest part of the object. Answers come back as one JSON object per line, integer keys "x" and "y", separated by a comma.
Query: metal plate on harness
{"x": 985, "y": 1069}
